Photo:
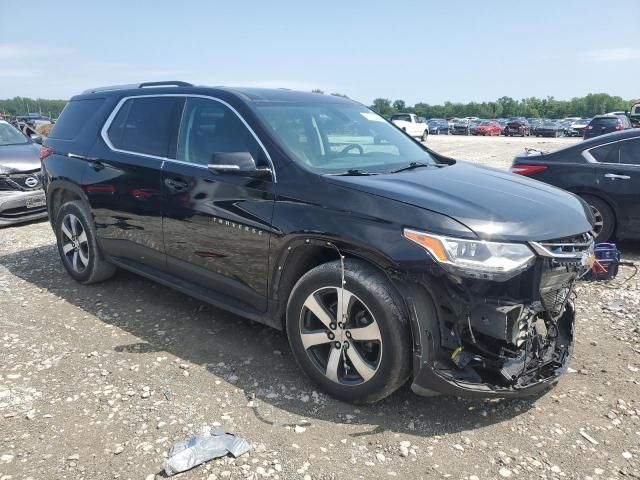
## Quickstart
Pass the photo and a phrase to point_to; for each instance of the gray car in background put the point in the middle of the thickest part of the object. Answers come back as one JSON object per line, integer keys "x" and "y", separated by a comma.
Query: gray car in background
{"x": 21, "y": 195}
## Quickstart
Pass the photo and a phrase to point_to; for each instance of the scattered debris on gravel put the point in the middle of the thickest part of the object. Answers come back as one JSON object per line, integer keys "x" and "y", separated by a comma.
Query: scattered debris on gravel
{"x": 99, "y": 381}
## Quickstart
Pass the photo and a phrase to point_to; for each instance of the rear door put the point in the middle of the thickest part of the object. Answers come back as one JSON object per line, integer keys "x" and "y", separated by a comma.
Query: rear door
{"x": 618, "y": 176}
{"x": 124, "y": 178}
{"x": 216, "y": 225}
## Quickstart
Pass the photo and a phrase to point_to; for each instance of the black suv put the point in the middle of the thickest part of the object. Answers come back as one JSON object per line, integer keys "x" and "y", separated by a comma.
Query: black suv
{"x": 602, "y": 124}
{"x": 381, "y": 259}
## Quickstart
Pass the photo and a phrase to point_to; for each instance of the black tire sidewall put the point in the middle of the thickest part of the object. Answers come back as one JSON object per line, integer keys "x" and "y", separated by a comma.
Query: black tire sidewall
{"x": 608, "y": 217}
{"x": 372, "y": 289}
{"x": 77, "y": 208}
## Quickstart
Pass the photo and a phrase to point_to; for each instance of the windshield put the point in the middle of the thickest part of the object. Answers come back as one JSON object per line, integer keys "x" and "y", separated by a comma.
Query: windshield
{"x": 11, "y": 136}
{"x": 336, "y": 137}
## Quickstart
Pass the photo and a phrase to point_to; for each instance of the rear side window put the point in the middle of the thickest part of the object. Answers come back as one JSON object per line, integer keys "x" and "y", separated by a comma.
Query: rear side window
{"x": 606, "y": 153}
{"x": 74, "y": 117}
{"x": 146, "y": 125}
{"x": 630, "y": 152}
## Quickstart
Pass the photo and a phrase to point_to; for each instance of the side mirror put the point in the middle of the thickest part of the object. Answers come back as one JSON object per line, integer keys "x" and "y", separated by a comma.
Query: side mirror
{"x": 36, "y": 138}
{"x": 237, "y": 163}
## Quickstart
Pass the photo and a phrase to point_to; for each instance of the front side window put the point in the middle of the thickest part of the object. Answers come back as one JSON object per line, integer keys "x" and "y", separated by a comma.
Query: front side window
{"x": 209, "y": 127}
{"x": 630, "y": 152}
{"x": 146, "y": 125}
{"x": 606, "y": 153}
{"x": 336, "y": 137}
{"x": 10, "y": 136}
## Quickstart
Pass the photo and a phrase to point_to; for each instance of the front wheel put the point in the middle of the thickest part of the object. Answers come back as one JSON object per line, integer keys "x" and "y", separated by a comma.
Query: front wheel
{"x": 77, "y": 245}
{"x": 352, "y": 340}
{"x": 424, "y": 136}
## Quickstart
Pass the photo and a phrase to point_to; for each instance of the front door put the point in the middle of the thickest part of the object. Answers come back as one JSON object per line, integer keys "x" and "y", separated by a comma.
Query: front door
{"x": 217, "y": 226}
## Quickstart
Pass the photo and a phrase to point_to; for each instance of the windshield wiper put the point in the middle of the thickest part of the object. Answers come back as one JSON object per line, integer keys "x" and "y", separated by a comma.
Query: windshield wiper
{"x": 353, "y": 172}
{"x": 411, "y": 166}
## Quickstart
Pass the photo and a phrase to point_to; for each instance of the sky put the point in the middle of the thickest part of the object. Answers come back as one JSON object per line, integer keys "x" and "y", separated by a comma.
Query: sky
{"x": 417, "y": 51}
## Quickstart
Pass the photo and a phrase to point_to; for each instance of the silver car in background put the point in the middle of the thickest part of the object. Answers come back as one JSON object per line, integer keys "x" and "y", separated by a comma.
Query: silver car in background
{"x": 21, "y": 196}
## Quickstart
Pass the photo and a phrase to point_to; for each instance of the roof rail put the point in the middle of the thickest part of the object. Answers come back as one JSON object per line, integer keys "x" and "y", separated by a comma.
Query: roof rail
{"x": 169, "y": 83}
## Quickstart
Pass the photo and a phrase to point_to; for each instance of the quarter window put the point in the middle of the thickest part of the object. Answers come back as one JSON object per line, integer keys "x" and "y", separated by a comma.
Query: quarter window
{"x": 630, "y": 152}
{"x": 209, "y": 127}
{"x": 146, "y": 125}
{"x": 606, "y": 153}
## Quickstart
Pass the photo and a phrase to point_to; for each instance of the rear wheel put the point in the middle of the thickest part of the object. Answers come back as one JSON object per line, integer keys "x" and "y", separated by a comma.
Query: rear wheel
{"x": 605, "y": 222}
{"x": 77, "y": 245}
{"x": 424, "y": 136}
{"x": 352, "y": 340}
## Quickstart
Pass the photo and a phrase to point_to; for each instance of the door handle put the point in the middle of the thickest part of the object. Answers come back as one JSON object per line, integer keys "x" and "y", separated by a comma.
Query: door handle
{"x": 615, "y": 176}
{"x": 176, "y": 184}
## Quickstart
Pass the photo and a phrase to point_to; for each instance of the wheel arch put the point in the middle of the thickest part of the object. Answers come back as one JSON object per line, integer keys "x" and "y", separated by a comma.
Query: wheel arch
{"x": 604, "y": 198}
{"x": 304, "y": 253}
{"x": 61, "y": 191}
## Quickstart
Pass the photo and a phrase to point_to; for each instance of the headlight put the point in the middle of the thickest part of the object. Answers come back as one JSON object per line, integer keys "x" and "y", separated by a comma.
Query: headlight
{"x": 475, "y": 258}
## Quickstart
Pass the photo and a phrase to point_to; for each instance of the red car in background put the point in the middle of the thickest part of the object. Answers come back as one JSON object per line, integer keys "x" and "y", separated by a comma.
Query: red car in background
{"x": 487, "y": 127}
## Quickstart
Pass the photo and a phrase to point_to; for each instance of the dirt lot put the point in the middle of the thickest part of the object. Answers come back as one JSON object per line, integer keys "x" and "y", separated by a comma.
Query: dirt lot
{"x": 97, "y": 382}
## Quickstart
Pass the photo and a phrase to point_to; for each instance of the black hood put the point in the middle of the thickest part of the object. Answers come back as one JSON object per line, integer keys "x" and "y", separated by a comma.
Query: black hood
{"x": 492, "y": 203}
{"x": 19, "y": 158}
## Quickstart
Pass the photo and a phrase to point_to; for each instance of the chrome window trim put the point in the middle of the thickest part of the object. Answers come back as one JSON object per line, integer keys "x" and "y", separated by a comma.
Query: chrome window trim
{"x": 112, "y": 115}
{"x": 588, "y": 156}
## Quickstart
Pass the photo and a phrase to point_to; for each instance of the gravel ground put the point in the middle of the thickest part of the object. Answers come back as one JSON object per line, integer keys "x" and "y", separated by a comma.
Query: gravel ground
{"x": 98, "y": 381}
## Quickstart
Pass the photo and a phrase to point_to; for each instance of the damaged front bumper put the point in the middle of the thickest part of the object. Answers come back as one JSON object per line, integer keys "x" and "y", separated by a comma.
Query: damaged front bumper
{"x": 475, "y": 337}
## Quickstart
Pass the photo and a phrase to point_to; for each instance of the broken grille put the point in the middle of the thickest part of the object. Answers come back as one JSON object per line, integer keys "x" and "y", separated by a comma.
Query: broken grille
{"x": 568, "y": 247}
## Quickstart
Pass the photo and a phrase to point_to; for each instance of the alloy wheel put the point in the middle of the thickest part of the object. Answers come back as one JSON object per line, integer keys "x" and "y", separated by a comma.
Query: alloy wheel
{"x": 340, "y": 336}
{"x": 598, "y": 225}
{"x": 75, "y": 245}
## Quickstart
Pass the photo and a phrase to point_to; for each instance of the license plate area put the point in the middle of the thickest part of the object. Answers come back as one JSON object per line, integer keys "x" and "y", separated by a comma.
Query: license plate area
{"x": 36, "y": 201}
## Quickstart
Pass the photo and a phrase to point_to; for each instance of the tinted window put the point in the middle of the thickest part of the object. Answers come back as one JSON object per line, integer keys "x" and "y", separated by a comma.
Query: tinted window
{"x": 630, "y": 152}
{"x": 606, "y": 153}
{"x": 74, "y": 117}
{"x": 406, "y": 118}
{"x": 209, "y": 127}
{"x": 146, "y": 125}
{"x": 606, "y": 122}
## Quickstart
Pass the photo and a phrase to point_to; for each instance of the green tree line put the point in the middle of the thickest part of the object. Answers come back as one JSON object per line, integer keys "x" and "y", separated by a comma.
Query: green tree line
{"x": 24, "y": 105}
{"x": 587, "y": 106}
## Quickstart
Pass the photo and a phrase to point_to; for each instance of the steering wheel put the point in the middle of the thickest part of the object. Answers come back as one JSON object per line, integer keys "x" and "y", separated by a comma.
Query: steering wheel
{"x": 351, "y": 146}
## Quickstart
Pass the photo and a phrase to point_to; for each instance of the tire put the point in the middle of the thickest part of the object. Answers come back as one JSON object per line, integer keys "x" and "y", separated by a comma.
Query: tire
{"x": 425, "y": 134}
{"x": 383, "y": 362}
{"x": 605, "y": 219}
{"x": 77, "y": 245}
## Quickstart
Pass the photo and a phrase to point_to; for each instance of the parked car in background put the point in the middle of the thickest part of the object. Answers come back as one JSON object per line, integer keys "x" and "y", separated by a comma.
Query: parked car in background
{"x": 517, "y": 126}
{"x": 549, "y": 128}
{"x": 486, "y": 128}
{"x": 634, "y": 115}
{"x": 602, "y": 124}
{"x": 604, "y": 171}
{"x": 578, "y": 127}
{"x": 384, "y": 263}
{"x": 21, "y": 195}
{"x": 438, "y": 126}
{"x": 412, "y": 124}
{"x": 461, "y": 126}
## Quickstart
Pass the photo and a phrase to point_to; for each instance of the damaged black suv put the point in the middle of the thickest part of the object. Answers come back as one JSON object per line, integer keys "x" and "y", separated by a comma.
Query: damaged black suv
{"x": 382, "y": 260}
